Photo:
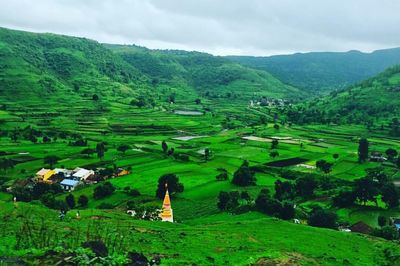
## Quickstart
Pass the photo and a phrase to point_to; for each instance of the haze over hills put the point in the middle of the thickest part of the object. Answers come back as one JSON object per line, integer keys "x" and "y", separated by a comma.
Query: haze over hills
{"x": 322, "y": 72}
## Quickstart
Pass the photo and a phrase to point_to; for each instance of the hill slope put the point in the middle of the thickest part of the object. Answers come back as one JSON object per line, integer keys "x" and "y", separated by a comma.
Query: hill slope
{"x": 323, "y": 72}
{"x": 220, "y": 240}
{"x": 52, "y": 67}
{"x": 375, "y": 99}
{"x": 211, "y": 76}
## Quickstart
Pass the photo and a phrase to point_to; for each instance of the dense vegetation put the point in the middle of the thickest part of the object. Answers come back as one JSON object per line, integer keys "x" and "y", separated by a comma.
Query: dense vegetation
{"x": 255, "y": 177}
{"x": 323, "y": 72}
{"x": 373, "y": 102}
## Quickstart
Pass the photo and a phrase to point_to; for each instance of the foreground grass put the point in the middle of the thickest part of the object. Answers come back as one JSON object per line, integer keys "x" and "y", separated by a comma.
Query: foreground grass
{"x": 220, "y": 239}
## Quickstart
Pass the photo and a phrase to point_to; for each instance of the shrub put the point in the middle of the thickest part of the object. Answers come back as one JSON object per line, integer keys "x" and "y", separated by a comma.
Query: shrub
{"x": 103, "y": 191}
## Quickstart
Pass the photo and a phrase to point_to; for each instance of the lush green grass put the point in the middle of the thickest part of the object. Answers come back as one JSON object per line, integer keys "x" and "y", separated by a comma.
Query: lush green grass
{"x": 218, "y": 239}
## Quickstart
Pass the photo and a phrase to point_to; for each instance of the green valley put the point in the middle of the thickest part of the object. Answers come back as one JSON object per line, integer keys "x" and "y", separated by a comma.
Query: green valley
{"x": 259, "y": 172}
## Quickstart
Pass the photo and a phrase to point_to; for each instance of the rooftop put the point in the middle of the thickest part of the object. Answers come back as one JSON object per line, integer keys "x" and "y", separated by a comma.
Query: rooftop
{"x": 69, "y": 182}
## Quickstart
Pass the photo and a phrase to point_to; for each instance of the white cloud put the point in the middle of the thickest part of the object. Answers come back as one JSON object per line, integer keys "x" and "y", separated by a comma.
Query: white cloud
{"x": 258, "y": 27}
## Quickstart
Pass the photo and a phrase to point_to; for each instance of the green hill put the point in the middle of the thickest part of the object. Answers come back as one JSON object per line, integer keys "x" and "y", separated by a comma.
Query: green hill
{"x": 47, "y": 66}
{"x": 209, "y": 75}
{"x": 324, "y": 71}
{"x": 42, "y": 65}
{"x": 375, "y": 99}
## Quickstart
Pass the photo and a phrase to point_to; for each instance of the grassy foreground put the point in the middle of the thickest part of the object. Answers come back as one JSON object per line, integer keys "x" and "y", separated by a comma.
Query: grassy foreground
{"x": 218, "y": 240}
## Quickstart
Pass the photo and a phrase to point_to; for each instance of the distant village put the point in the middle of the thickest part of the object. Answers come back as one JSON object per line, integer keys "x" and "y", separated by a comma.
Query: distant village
{"x": 268, "y": 102}
{"x": 71, "y": 179}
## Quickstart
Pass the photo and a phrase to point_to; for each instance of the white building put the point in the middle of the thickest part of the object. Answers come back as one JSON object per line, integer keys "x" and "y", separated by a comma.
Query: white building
{"x": 82, "y": 174}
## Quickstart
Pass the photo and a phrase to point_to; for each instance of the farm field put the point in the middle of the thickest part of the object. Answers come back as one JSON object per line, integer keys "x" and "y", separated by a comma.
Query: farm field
{"x": 195, "y": 209}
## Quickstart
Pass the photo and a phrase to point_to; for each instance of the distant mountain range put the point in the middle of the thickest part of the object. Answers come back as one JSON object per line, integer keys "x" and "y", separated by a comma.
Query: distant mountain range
{"x": 321, "y": 72}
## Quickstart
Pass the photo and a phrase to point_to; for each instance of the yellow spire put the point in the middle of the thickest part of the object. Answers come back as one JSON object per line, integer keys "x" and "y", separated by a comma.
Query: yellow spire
{"x": 166, "y": 214}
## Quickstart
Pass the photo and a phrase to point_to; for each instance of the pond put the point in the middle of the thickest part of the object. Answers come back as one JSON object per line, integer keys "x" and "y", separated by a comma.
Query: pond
{"x": 287, "y": 162}
{"x": 183, "y": 112}
{"x": 185, "y": 138}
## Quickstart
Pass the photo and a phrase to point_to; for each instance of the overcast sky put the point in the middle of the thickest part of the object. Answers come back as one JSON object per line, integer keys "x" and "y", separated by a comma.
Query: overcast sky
{"x": 252, "y": 27}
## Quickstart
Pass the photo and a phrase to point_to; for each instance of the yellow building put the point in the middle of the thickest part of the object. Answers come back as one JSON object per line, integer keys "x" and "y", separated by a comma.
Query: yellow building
{"x": 44, "y": 174}
{"x": 167, "y": 214}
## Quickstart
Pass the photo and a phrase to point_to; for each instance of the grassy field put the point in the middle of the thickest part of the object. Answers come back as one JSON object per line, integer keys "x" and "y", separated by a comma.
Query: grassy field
{"x": 216, "y": 240}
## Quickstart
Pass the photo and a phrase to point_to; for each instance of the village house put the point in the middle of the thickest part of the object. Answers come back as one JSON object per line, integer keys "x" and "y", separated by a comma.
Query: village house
{"x": 361, "y": 227}
{"x": 377, "y": 157}
{"x": 44, "y": 175}
{"x": 82, "y": 174}
{"x": 69, "y": 184}
{"x": 122, "y": 172}
{"x": 395, "y": 221}
{"x": 63, "y": 171}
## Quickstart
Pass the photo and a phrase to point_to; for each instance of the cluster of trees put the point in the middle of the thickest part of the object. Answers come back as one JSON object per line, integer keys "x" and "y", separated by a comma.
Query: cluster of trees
{"x": 278, "y": 206}
{"x": 386, "y": 230}
{"x": 324, "y": 166}
{"x": 223, "y": 175}
{"x": 6, "y": 164}
{"x": 368, "y": 188}
{"x": 235, "y": 201}
{"x": 83, "y": 201}
{"x": 35, "y": 135}
{"x": 165, "y": 149}
{"x": 47, "y": 194}
{"x": 244, "y": 176}
{"x": 103, "y": 190}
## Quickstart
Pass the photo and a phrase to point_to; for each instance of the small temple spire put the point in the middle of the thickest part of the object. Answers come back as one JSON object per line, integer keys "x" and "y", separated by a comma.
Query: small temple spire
{"x": 167, "y": 214}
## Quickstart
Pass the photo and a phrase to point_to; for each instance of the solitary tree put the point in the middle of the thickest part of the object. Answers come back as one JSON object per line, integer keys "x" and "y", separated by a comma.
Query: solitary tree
{"x": 123, "y": 148}
{"x": 244, "y": 176}
{"x": 381, "y": 220}
{"x": 172, "y": 182}
{"x": 206, "y": 153}
{"x": 274, "y": 144}
{"x": 335, "y": 156}
{"x": 164, "y": 146}
{"x": 70, "y": 200}
{"x": 100, "y": 150}
{"x": 83, "y": 200}
{"x": 363, "y": 150}
{"x": 324, "y": 166}
{"x": 390, "y": 195}
{"x": 391, "y": 153}
{"x": 51, "y": 160}
{"x": 274, "y": 154}
{"x": 88, "y": 152}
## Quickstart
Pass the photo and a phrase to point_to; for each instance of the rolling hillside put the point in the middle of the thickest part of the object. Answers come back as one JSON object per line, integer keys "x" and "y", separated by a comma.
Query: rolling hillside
{"x": 52, "y": 67}
{"x": 212, "y": 76}
{"x": 324, "y": 71}
{"x": 373, "y": 100}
